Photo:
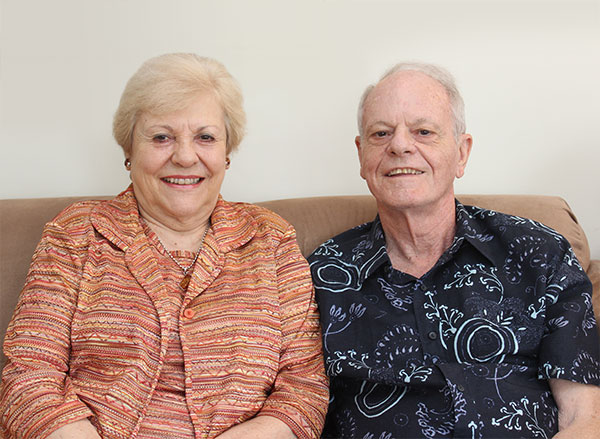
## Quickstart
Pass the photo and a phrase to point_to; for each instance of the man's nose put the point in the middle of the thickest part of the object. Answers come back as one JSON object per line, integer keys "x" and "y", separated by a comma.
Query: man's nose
{"x": 185, "y": 153}
{"x": 402, "y": 142}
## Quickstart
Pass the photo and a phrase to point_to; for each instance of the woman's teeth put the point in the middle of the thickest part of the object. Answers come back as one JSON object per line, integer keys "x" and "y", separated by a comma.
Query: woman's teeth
{"x": 182, "y": 180}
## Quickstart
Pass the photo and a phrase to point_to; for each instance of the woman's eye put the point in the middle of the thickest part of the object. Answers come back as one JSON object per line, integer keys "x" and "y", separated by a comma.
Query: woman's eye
{"x": 206, "y": 137}
{"x": 160, "y": 138}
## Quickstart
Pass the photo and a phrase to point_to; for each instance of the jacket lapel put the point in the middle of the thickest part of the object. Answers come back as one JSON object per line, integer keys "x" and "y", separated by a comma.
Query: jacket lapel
{"x": 118, "y": 221}
{"x": 231, "y": 227}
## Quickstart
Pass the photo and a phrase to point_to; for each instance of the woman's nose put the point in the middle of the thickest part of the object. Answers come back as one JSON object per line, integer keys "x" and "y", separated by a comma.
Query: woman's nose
{"x": 185, "y": 154}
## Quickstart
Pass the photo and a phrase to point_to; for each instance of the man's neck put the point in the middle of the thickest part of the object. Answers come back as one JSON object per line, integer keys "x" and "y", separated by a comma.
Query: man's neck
{"x": 417, "y": 237}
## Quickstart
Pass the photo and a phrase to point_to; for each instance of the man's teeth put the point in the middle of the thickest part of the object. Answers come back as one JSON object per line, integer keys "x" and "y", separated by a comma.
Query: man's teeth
{"x": 404, "y": 171}
{"x": 182, "y": 180}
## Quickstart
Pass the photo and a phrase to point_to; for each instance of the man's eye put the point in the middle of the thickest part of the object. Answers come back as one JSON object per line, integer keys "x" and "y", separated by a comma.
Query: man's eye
{"x": 424, "y": 132}
{"x": 381, "y": 134}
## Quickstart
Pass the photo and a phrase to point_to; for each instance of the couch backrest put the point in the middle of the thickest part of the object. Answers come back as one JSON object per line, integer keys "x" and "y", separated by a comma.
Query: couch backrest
{"x": 315, "y": 219}
{"x": 319, "y": 218}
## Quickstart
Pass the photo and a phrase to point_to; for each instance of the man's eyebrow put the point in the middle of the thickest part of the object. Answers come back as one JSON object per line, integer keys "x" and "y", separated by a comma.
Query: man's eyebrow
{"x": 424, "y": 120}
{"x": 379, "y": 122}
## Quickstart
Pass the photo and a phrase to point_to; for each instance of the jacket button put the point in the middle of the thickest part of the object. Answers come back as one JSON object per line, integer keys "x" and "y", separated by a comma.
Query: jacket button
{"x": 189, "y": 313}
{"x": 432, "y": 335}
{"x": 423, "y": 287}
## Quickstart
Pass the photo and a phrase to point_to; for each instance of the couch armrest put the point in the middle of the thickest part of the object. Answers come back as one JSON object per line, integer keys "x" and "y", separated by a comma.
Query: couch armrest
{"x": 594, "y": 274}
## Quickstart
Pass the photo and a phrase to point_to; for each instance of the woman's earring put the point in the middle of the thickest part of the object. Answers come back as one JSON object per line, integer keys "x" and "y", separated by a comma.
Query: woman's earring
{"x": 127, "y": 164}
{"x": 227, "y": 162}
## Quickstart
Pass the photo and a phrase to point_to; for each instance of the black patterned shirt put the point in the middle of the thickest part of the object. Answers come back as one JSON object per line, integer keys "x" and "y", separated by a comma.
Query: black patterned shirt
{"x": 467, "y": 349}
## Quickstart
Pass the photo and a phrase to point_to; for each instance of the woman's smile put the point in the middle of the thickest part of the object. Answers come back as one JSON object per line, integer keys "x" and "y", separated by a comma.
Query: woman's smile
{"x": 183, "y": 181}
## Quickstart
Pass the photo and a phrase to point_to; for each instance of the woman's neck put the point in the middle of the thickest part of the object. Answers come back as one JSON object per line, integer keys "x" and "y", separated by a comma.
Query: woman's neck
{"x": 182, "y": 237}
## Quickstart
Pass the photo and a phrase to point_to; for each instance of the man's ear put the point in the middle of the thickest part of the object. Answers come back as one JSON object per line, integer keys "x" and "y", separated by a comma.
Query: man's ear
{"x": 359, "y": 150}
{"x": 464, "y": 151}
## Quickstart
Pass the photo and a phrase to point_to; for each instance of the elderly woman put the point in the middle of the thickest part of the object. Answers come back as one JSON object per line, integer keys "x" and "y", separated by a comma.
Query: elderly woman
{"x": 167, "y": 312}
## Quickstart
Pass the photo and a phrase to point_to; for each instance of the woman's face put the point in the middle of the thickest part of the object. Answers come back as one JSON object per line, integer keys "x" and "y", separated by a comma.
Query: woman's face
{"x": 178, "y": 162}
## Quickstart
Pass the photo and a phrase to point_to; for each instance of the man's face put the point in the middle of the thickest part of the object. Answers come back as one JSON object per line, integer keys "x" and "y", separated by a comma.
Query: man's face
{"x": 408, "y": 153}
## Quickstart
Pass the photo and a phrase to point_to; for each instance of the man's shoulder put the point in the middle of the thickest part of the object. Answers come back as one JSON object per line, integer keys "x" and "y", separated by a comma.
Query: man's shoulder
{"x": 342, "y": 263}
{"x": 500, "y": 223}
{"x": 342, "y": 245}
{"x": 509, "y": 233}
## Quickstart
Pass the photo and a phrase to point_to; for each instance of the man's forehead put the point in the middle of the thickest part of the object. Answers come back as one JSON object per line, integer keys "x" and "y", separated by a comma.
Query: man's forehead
{"x": 408, "y": 91}
{"x": 409, "y": 84}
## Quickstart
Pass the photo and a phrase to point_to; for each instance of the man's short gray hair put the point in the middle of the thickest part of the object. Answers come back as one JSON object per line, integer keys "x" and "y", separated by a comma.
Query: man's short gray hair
{"x": 436, "y": 73}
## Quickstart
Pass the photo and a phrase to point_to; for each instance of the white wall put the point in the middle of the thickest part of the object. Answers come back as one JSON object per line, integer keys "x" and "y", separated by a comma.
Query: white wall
{"x": 528, "y": 70}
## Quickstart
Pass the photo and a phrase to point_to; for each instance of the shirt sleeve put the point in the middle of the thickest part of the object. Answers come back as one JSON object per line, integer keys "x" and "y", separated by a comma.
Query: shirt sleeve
{"x": 36, "y": 396}
{"x": 570, "y": 346}
{"x": 300, "y": 394}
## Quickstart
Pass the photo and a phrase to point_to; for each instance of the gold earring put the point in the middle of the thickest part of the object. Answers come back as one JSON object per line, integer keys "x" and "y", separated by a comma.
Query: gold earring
{"x": 227, "y": 162}
{"x": 127, "y": 164}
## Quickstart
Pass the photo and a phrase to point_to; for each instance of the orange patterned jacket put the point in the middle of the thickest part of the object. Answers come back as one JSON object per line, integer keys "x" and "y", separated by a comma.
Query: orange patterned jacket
{"x": 85, "y": 339}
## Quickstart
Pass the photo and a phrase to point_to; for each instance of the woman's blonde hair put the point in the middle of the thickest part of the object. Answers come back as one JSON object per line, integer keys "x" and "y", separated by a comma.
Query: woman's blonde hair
{"x": 170, "y": 82}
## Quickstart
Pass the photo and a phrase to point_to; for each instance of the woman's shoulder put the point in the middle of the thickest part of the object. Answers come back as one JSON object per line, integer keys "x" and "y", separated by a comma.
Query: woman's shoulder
{"x": 82, "y": 212}
{"x": 263, "y": 217}
{"x": 75, "y": 214}
{"x": 71, "y": 228}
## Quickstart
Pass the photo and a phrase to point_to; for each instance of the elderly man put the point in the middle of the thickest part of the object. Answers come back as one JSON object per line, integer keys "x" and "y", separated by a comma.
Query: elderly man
{"x": 444, "y": 320}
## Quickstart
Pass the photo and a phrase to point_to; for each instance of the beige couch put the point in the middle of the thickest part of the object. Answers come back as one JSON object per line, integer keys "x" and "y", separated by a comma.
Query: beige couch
{"x": 315, "y": 219}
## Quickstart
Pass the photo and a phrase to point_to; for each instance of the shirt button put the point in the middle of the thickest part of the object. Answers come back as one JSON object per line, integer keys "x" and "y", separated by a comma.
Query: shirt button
{"x": 423, "y": 287}
{"x": 432, "y": 335}
{"x": 189, "y": 313}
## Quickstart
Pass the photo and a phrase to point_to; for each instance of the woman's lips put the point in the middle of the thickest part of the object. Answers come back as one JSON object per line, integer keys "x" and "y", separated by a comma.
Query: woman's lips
{"x": 182, "y": 180}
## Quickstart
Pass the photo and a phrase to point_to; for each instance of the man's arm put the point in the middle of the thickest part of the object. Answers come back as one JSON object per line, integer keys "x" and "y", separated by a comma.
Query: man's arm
{"x": 578, "y": 409}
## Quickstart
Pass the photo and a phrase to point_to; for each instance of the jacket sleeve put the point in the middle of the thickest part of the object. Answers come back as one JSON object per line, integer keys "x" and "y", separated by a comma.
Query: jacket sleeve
{"x": 301, "y": 392}
{"x": 36, "y": 394}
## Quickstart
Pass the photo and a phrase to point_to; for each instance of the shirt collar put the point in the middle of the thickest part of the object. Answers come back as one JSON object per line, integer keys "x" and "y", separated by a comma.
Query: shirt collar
{"x": 474, "y": 231}
{"x": 373, "y": 254}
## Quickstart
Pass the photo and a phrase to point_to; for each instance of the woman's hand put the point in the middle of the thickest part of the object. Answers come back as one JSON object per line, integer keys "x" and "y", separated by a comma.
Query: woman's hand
{"x": 259, "y": 428}
{"x": 82, "y": 429}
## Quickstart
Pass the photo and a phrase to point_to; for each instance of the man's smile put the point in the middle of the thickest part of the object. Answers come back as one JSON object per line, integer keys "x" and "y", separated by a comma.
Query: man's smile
{"x": 403, "y": 171}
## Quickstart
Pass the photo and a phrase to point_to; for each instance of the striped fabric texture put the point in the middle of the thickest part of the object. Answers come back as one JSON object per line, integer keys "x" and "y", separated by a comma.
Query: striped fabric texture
{"x": 90, "y": 332}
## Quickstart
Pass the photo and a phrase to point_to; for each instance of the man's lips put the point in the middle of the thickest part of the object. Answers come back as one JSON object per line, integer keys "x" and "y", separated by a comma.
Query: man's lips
{"x": 403, "y": 171}
{"x": 182, "y": 180}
